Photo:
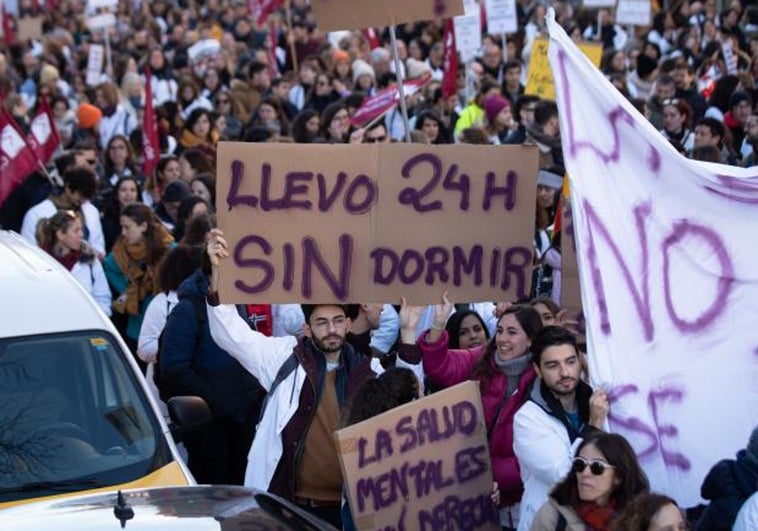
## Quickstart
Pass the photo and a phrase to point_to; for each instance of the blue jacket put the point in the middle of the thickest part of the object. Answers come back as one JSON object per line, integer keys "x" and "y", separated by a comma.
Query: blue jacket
{"x": 191, "y": 363}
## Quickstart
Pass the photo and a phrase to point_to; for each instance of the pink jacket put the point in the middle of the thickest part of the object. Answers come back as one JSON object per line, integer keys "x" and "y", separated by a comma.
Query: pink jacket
{"x": 449, "y": 367}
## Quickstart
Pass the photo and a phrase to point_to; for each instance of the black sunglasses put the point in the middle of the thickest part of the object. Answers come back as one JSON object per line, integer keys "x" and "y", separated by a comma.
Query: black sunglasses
{"x": 374, "y": 140}
{"x": 597, "y": 467}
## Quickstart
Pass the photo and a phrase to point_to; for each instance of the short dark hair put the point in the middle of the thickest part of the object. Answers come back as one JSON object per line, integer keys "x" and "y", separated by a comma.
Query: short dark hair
{"x": 80, "y": 180}
{"x": 308, "y": 309}
{"x": 511, "y": 64}
{"x": 544, "y": 110}
{"x": 551, "y": 336}
{"x": 716, "y": 127}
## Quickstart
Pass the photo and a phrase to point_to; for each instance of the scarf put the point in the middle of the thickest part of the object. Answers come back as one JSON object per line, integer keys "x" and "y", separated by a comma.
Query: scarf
{"x": 132, "y": 260}
{"x": 513, "y": 369}
{"x": 596, "y": 517}
{"x": 69, "y": 260}
{"x": 553, "y": 142}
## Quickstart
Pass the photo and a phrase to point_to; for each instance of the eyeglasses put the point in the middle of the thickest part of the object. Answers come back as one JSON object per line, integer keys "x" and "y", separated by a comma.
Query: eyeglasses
{"x": 597, "y": 466}
{"x": 375, "y": 139}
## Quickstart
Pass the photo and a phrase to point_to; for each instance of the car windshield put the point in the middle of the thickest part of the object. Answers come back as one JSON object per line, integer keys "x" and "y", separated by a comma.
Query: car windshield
{"x": 72, "y": 417}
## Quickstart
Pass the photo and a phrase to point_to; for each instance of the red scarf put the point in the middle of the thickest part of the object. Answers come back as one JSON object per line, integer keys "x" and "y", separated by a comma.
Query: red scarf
{"x": 596, "y": 517}
{"x": 68, "y": 261}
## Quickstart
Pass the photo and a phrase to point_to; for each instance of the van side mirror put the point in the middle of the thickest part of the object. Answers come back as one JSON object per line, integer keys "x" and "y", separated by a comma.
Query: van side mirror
{"x": 187, "y": 413}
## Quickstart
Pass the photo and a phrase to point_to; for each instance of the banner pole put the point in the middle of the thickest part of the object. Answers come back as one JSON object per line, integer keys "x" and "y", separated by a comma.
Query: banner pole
{"x": 505, "y": 48}
{"x": 288, "y": 11}
{"x": 400, "y": 86}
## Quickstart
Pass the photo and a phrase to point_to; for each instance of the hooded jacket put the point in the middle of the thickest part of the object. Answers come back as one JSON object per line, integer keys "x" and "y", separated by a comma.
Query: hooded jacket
{"x": 545, "y": 443}
{"x": 193, "y": 364}
{"x": 728, "y": 485}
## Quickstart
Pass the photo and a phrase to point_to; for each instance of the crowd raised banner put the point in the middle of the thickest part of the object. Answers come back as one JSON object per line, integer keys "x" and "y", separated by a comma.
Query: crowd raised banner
{"x": 424, "y": 465}
{"x": 333, "y": 15}
{"x": 668, "y": 280}
{"x": 351, "y": 223}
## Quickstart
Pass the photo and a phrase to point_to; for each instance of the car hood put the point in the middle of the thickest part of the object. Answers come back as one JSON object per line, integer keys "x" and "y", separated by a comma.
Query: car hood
{"x": 190, "y": 508}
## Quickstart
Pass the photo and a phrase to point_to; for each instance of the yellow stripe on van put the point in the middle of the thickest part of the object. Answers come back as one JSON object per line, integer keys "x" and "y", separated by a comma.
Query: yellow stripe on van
{"x": 170, "y": 475}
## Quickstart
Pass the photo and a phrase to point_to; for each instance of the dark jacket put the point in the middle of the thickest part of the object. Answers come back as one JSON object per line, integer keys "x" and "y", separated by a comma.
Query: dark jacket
{"x": 728, "y": 484}
{"x": 355, "y": 369}
{"x": 192, "y": 364}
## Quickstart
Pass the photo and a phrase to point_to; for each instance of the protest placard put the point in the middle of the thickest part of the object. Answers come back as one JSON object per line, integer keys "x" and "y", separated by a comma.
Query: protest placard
{"x": 468, "y": 31}
{"x": 540, "y": 78}
{"x": 373, "y": 222}
{"x": 424, "y": 465}
{"x": 589, "y": 4}
{"x": 668, "y": 284}
{"x": 333, "y": 15}
{"x": 29, "y": 28}
{"x": 634, "y": 12}
{"x": 501, "y": 16}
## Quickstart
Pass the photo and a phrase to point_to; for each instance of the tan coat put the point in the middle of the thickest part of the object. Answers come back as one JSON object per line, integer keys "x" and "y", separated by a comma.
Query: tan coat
{"x": 546, "y": 518}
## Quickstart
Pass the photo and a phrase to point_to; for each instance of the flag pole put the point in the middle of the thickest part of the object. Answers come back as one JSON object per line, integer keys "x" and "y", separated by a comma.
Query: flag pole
{"x": 400, "y": 86}
{"x": 288, "y": 11}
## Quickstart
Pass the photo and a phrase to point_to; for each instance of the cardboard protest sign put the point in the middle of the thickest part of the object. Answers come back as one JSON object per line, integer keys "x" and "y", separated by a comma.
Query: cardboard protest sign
{"x": 333, "y": 15}
{"x": 374, "y": 222}
{"x": 424, "y": 465}
{"x": 634, "y": 12}
{"x": 668, "y": 283}
{"x": 571, "y": 297}
{"x": 540, "y": 78}
{"x": 29, "y": 28}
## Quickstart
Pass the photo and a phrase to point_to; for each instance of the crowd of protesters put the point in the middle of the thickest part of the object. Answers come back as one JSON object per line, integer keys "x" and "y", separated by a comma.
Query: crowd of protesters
{"x": 145, "y": 246}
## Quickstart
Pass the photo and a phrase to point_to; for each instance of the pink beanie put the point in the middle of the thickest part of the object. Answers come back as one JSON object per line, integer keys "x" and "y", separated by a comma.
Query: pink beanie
{"x": 493, "y": 105}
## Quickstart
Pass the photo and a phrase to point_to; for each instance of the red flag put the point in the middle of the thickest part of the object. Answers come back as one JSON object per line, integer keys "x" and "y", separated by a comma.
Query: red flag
{"x": 450, "y": 62}
{"x": 8, "y": 34}
{"x": 273, "y": 64}
{"x": 372, "y": 37}
{"x": 17, "y": 160}
{"x": 151, "y": 147}
{"x": 261, "y": 9}
{"x": 43, "y": 135}
{"x": 374, "y": 106}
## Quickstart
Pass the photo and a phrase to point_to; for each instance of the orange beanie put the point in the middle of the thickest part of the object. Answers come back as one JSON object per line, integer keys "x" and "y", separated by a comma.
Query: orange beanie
{"x": 88, "y": 115}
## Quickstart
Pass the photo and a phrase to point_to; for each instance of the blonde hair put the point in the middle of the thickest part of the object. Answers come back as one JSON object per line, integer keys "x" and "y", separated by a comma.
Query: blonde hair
{"x": 47, "y": 228}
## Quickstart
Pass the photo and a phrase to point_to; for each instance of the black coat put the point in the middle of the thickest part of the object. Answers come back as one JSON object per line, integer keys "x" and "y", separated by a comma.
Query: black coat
{"x": 728, "y": 484}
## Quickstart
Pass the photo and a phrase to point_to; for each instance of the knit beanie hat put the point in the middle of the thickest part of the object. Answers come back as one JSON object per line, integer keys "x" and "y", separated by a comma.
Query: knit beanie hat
{"x": 362, "y": 68}
{"x": 415, "y": 68}
{"x": 340, "y": 55}
{"x": 752, "y": 444}
{"x": 493, "y": 105}
{"x": 645, "y": 66}
{"x": 176, "y": 191}
{"x": 738, "y": 97}
{"x": 88, "y": 115}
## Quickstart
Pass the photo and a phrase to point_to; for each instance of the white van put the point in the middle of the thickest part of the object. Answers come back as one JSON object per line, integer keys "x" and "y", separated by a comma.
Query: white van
{"x": 75, "y": 412}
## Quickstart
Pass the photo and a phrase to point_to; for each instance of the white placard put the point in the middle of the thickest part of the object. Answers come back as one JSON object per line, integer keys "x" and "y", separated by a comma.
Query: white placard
{"x": 730, "y": 59}
{"x": 102, "y": 21}
{"x": 598, "y": 3}
{"x": 501, "y": 16}
{"x": 94, "y": 5}
{"x": 634, "y": 12}
{"x": 95, "y": 62}
{"x": 468, "y": 31}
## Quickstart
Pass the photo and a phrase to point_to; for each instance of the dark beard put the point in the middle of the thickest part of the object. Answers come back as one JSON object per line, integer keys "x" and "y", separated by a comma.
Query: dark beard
{"x": 326, "y": 349}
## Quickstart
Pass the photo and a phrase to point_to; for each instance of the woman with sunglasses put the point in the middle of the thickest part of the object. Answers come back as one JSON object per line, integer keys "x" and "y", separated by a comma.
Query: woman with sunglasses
{"x": 605, "y": 476}
{"x": 504, "y": 371}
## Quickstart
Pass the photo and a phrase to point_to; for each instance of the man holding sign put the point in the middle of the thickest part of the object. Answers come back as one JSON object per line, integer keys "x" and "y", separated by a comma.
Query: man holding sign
{"x": 293, "y": 454}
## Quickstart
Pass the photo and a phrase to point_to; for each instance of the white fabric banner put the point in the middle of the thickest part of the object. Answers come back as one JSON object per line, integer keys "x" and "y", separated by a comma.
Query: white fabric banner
{"x": 669, "y": 273}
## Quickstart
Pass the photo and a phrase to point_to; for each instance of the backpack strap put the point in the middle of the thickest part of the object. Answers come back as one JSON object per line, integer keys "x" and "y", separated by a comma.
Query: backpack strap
{"x": 287, "y": 368}
{"x": 562, "y": 523}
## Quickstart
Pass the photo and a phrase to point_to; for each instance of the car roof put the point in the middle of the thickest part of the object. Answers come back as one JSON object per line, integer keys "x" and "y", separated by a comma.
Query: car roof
{"x": 39, "y": 295}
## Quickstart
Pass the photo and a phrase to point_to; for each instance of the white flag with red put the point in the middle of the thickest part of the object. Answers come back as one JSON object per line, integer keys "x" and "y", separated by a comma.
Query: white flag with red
{"x": 43, "y": 135}
{"x": 381, "y": 102}
{"x": 17, "y": 160}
